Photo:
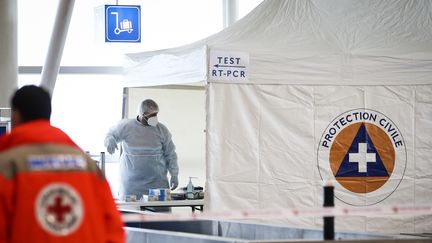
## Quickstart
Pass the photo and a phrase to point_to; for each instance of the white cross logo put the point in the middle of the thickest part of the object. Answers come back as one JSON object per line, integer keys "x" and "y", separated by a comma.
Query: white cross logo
{"x": 362, "y": 157}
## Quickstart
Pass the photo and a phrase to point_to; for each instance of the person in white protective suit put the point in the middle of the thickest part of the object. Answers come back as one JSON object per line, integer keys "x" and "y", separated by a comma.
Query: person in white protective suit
{"x": 148, "y": 152}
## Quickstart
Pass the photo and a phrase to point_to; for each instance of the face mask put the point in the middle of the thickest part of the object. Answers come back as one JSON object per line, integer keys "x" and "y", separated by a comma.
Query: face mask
{"x": 152, "y": 121}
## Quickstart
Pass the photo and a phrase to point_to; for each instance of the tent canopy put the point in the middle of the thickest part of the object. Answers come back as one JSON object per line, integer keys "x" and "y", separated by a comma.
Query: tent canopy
{"x": 308, "y": 42}
{"x": 314, "y": 65}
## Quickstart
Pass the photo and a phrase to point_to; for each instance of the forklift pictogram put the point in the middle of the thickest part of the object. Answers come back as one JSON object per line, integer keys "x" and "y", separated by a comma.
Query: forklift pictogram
{"x": 125, "y": 25}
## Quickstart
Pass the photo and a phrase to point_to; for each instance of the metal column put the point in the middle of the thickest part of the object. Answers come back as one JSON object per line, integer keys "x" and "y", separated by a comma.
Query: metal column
{"x": 102, "y": 161}
{"x": 58, "y": 39}
{"x": 8, "y": 51}
{"x": 230, "y": 12}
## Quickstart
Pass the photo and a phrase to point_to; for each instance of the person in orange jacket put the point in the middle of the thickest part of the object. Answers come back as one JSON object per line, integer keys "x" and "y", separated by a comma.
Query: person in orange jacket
{"x": 50, "y": 190}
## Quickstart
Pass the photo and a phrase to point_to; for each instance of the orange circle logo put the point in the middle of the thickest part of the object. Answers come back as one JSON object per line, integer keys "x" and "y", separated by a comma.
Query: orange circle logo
{"x": 364, "y": 153}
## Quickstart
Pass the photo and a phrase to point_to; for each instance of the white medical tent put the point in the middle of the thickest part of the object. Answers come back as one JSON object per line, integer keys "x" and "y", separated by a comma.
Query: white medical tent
{"x": 332, "y": 91}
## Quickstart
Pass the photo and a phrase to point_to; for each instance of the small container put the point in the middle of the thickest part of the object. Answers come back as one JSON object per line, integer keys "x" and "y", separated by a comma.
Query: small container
{"x": 190, "y": 189}
{"x": 162, "y": 195}
{"x": 153, "y": 194}
{"x": 166, "y": 192}
{"x": 130, "y": 198}
{"x": 159, "y": 194}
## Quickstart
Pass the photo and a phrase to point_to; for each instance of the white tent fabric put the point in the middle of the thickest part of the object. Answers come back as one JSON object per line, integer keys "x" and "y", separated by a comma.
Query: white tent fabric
{"x": 325, "y": 78}
{"x": 309, "y": 42}
{"x": 262, "y": 152}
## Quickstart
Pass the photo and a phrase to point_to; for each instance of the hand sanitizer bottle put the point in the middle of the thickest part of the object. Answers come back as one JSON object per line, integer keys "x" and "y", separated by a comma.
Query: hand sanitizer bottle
{"x": 190, "y": 189}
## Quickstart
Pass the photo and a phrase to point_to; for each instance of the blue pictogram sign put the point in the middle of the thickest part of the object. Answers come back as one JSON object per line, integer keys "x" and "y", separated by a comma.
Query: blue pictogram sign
{"x": 122, "y": 23}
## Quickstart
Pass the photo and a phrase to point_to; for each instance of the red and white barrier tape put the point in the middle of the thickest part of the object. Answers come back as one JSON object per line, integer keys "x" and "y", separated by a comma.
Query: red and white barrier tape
{"x": 284, "y": 213}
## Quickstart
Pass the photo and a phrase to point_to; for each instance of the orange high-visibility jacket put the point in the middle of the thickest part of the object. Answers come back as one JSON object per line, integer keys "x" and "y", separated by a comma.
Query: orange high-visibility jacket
{"x": 51, "y": 191}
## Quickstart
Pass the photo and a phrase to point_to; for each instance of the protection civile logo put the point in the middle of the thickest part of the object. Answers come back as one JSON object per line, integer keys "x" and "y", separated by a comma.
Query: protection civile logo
{"x": 59, "y": 209}
{"x": 363, "y": 152}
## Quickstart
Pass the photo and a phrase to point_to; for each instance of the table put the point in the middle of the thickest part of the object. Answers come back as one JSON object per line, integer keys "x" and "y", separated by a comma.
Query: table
{"x": 141, "y": 205}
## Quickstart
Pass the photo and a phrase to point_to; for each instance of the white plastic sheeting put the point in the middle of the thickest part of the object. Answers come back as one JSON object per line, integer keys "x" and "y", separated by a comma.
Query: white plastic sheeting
{"x": 311, "y": 62}
{"x": 147, "y": 69}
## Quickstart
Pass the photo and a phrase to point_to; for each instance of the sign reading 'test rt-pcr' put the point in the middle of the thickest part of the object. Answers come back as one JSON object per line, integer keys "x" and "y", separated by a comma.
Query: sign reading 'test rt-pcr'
{"x": 229, "y": 66}
{"x": 122, "y": 23}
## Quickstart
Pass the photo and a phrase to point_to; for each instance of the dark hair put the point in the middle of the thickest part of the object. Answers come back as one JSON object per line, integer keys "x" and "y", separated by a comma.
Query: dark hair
{"x": 32, "y": 102}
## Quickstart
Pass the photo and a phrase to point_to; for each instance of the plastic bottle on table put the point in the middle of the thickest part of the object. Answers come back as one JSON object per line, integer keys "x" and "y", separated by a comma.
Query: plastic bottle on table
{"x": 190, "y": 189}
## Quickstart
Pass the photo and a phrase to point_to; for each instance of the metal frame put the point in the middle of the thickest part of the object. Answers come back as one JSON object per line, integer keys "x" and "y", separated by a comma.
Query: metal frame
{"x": 74, "y": 70}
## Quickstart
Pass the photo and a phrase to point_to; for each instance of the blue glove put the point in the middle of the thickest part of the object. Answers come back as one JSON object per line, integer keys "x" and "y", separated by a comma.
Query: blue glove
{"x": 111, "y": 147}
{"x": 174, "y": 182}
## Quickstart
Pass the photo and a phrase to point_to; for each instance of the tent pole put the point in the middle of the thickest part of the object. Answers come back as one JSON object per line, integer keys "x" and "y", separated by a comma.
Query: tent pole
{"x": 230, "y": 12}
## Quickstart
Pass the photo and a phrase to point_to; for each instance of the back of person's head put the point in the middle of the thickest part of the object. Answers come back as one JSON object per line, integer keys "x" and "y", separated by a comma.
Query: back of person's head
{"x": 148, "y": 107}
{"x": 32, "y": 102}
